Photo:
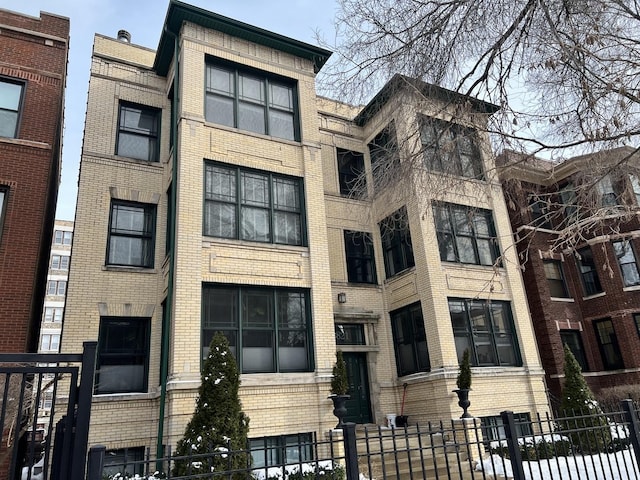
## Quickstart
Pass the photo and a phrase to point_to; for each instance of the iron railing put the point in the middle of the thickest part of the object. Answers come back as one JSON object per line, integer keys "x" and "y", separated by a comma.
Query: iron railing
{"x": 583, "y": 445}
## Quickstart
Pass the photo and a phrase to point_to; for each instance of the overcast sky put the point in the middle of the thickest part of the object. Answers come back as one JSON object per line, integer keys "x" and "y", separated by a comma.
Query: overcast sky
{"x": 298, "y": 19}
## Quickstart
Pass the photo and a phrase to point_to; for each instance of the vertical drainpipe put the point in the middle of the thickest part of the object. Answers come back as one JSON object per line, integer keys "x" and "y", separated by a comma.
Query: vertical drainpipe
{"x": 166, "y": 317}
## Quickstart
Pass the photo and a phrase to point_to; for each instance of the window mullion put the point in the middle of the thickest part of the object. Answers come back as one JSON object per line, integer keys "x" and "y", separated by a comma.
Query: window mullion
{"x": 239, "y": 325}
{"x": 276, "y": 322}
{"x": 272, "y": 209}
{"x": 265, "y": 86}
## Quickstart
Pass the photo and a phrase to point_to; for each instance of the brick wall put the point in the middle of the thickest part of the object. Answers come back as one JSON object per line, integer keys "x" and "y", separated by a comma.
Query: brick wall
{"x": 33, "y": 50}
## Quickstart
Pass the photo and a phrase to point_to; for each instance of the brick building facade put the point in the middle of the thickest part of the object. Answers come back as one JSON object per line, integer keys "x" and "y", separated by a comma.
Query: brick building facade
{"x": 214, "y": 196}
{"x": 33, "y": 67}
{"x": 583, "y": 292}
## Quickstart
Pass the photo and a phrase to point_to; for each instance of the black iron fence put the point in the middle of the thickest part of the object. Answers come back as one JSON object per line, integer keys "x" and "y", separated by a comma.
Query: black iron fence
{"x": 584, "y": 445}
{"x": 45, "y": 407}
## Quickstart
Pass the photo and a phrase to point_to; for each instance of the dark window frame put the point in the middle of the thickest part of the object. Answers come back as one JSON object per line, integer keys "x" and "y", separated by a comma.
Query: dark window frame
{"x": 349, "y": 334}
{"x": 493, "y": 428}
{"x": 573, "y": 340}
{"x": 139, "y": 325}
{"x": 360, "y": 256}
{"x": 588, "y": 271}
{"x": 540, "y": 212}
{"x": 152, "y": 135}
{"x": 147, "y": 235}
{"x": 242, "y": 322}
{"x": 266, "y": 102}
{"x": 4, "y": 200}
{"x": 281, "y": 450}
{"x": 477, "y": 333}
{"x": 350, "y": 165}
{"x": 397, "y": 247}
{"x": 120, "y": 460}
{"x": 18, "y": 111}
{"x": 443, "y": 148}
{"x": 239, "y": 207}
{"x": 609, "y": 347}
{"x": 556, "y": 284}
{"x": 384, "y": 155}
{"x": 451, "y": 235}
{"x": 629, "y": 272}
{"x": 409, "y": 334}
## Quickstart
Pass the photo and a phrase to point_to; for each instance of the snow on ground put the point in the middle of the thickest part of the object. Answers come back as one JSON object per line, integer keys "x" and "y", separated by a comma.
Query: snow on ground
{"x": 614, "y": 466}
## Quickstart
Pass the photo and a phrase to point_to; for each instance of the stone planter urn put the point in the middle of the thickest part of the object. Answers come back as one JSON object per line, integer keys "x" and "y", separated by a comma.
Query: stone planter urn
{"x": 340, "y": 407}
{"x": 463, "y": 401}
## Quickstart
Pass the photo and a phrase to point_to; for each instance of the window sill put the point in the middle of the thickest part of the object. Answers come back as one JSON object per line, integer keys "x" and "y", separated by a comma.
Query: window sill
{"x": 123, "y": 268}
{"x": 208, "y": 241}
{"x": 632, "y": 288}
{"x": 595, "y": 295}
{"x": 137, "y": 161}
{"x": 562, "y": 299}
{"x": 113, "y": 397}
{"x": 398, "y": 275}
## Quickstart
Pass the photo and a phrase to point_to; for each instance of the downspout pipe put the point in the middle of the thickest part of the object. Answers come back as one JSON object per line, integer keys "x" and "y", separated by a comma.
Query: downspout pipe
{"x": 167, "y": 313}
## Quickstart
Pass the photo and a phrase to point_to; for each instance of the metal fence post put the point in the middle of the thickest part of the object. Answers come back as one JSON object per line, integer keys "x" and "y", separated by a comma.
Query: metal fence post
{"x": 83, "y": 412}
{"x": 512, "y": 443}
{"x": 350, "y": 450}
{"x": 634, "y": 426}
{"x": 95, "y": 463}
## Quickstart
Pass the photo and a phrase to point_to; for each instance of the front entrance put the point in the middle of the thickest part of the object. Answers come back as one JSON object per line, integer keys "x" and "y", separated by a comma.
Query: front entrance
{"x": 358, "y": 406}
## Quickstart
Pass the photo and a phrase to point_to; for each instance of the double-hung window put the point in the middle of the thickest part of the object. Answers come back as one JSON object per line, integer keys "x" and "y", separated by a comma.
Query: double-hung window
{"x": 62, "y": 237}
{"x": 281, "y": 450}
{"x": 56, "y": 287}
{"x": 385, "y": 157}
{"x": 486, "y": 329}
{"x": 11, "y": 93}
{"x": 50, "y": 342}
{"x": 396, "y": 242}
{"x": 350, "y": 173}
{"x": 627, "y": 262}
{"x": 410, "y": 340}
{"x": 252, "y": 205}
{"x": 60, "y": 262}
{"x": 251, "y": 100}
{"x": 465, "y": 234}
{"x": 608, "y": 344}
{"x": 606, "y": 192}
{"x": 450, "y": 148}
{"x": 268, "y": 329}
{"x": 123, "y": 355}
{"x": 131, "y": 234}
{"x": 588, "y": 272}
{"x": 540, "y": 212}
{"x": 555, "y": 279}
{"x": 53, "y": 314}
{"x": 361, "y": 267}
{"x": 138, "y": 132}
{"x": 572, "y": 339}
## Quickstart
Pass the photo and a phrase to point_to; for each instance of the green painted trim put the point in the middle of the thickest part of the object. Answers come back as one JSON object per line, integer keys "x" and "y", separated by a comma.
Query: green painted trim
{"x": 179, "y": 12}
{"x": 399, "y": 82}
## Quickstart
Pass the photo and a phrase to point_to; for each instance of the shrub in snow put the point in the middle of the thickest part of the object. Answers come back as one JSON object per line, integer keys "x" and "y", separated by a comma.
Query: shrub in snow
{"x": 216, "y": 436}
{"x": 535, "y": 447}
{"x": 583, "y": 420}
{"x": 340, "y": 381}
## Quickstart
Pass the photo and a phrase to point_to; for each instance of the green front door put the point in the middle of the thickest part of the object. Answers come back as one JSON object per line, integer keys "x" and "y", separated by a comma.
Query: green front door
{"x": 358, "y": 406}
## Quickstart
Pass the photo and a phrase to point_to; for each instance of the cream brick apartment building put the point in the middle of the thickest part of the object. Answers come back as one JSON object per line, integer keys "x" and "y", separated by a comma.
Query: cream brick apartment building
{"x": 214, "y": 196}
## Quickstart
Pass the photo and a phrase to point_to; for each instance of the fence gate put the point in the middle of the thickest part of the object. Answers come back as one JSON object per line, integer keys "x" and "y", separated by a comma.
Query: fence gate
{"x": 45, "y": 406}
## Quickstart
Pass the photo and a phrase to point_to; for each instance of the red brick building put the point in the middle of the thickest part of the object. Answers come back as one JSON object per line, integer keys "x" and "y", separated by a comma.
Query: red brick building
{"x": 33, "y": 67}
{"x": 579, "y": 243}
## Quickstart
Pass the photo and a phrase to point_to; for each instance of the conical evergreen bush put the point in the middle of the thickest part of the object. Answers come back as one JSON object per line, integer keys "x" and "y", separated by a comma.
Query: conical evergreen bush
{"x": 340, "y": 380}
{"x": 218, "y": 424}
{"x": 580, "y": 410}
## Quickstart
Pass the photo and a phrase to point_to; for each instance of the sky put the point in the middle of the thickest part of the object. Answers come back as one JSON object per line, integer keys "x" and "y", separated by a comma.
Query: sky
{"x": 143, "y": 19}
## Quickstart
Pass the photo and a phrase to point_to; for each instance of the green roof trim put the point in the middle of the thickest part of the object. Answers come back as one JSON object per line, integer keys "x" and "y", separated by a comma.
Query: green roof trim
{"x": 179, "y": 12}
{"x": 399, "y": 82}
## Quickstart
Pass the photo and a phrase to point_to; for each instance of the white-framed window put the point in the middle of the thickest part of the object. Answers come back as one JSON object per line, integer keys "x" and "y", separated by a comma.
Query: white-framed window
{"x": 60, "y": 262}
{"x": 62, "y": 237}
{"x": 49, "y": 342}
{"x": 56, "y": 287}
{"x": 627, "y": 261}
{"x": 53, "y": 314}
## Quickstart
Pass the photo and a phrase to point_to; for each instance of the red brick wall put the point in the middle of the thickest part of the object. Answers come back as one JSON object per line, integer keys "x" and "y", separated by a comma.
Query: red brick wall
{"x": 30, "y": 167}
{"x": 548, "y": 314}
